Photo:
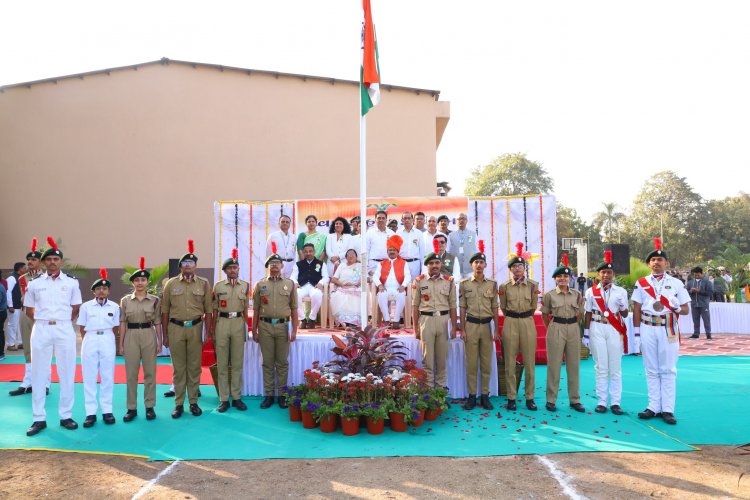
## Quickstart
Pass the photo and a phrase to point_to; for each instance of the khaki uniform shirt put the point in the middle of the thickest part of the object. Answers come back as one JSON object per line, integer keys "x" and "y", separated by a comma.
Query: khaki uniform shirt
{"x": 185, "y": 301}
{"x": 274, "y": 298}
{"x": 478, "y": 298}
{"x": 228, "y": 298}
{"x": 146, "y": 310}
{"x": 519, "y": 298}
{"x": 430, "y": 295}
{"x": 28, "y": 277}
{"x": 562, "y": 305}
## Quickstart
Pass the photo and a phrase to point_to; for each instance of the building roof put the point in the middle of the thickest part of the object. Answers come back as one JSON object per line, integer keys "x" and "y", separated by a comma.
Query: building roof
{"x": 166, "y": 62}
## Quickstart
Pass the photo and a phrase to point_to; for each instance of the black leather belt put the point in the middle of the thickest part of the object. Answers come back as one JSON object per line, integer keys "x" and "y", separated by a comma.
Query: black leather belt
{"x": 512, "y": 314}
{"x": 288, "y": 260}
{"x": 274, "y": 321}
{"x": 564, "y": 321}
{"x": 139, "y": 326}
{"x": 223, "y": 314}
{"x": 434, "y": 313}
{"x": 378, "y": 260}
{"x": 411, "y": 260}
{"x": 186, "y": 324}
{"x": 478, "y": 321}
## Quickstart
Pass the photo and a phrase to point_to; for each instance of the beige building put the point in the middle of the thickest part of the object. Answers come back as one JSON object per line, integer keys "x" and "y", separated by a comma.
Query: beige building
{"x": 128, "y": 161}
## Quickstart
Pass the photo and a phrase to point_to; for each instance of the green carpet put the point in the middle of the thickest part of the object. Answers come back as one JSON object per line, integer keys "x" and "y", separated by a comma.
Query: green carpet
{"x": 12, "y": 359}
{"x": 711, "y": 410}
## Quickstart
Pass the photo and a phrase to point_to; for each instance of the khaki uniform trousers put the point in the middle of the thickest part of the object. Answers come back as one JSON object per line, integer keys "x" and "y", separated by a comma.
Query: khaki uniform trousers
{"x": 274, "y": 347}
{"x": 26, "y": 326}
{"x": 186, "y": 346}
{"x": 479, "y": 346}
{"x": 230, "y": 351}
{"x": 435, "y": 345}
{"x": 519, "y": 334}
{"x": 140, "y": 348}
{"x": 563, "y": 339}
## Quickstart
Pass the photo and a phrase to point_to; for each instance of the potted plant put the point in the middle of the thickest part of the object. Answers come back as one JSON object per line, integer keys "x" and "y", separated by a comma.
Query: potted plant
{"x": 309, "y": 405}
{"x": 350, "y": 415}
{"x": 401, "y": 414}
{"x": 326, "y": 414}
{"x": 375, "y": 414}
{"x": 294, "y": 398}
{"x": 437, "y": 397}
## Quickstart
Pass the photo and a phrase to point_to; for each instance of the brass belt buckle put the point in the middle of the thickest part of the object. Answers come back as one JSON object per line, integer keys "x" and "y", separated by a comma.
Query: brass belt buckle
{"x": 100, "y": 332}
{"x": 436, "y": 313}
{"x": 52, "y": 322}
{"x": 188, "y": 323}
{"x": 232, "y": 314}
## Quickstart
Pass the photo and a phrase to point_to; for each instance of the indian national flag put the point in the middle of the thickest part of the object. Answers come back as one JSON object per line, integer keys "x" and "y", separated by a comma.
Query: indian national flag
{"x": 369, "y": 80}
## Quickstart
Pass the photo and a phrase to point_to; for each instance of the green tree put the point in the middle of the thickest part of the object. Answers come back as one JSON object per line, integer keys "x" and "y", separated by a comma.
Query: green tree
{"x": 729, "y": 224}
{"x": 736, "y": 263}
{"x": 608, "y": 222}
{"x": 667, "y": 202}
{"x": 509, "y": 175}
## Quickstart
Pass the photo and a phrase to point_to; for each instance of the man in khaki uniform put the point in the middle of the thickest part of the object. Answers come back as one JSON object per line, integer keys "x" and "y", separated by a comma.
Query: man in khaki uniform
{"x": 230, "y": 327}
{"x": 478, "y": 302}
{"x": 434, "y": 300}
{"x": 34, "y": 270}
{"x": 518, "y": 300}
{"x": 186, "y": 298}
{"x": 561, "y": 309}
{"x": 274, "y": 302}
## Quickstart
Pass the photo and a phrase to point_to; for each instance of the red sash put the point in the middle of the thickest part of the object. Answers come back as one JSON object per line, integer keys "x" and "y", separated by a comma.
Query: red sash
{"x": 613, "y": 319}
{"x": 650, "y": 290}
{"x": 23, "y": 284}
{"x": 385, "y": 269}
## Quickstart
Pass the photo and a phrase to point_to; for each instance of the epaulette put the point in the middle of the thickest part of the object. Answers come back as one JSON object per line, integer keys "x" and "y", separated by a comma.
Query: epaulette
{"x": 448, "y": 277}
{"x": 71, "y": 276}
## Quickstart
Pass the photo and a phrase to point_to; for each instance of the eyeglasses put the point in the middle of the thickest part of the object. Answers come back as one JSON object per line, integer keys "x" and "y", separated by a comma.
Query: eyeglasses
{"x": 187, "y": 263}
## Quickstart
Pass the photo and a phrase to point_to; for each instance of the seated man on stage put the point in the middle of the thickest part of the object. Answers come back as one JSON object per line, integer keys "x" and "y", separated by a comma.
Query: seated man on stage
{"x": 392, "y": 277}
{"x": 310, "y": 275}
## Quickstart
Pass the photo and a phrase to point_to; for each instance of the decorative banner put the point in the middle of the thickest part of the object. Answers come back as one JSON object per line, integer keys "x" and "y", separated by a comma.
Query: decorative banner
{"x": 499, "y": 221}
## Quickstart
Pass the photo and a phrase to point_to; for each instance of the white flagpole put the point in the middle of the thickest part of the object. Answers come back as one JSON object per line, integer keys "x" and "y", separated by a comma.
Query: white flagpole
{"x": 363, "y": 215}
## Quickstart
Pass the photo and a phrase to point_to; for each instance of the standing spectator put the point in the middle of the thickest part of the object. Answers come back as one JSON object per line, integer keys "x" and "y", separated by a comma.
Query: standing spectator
{"x": 413, "y": 250}
{"x": 286, "y": 243}
{"x": 720, "y": 287}
{"x": 728, "y": 279}
{"x": 581, "y": 283}
{"x": 3, "y": 317}
{"x": 338, "y": 241}
{"x": 429, "y": 234}
{"x": 393, "y": 225}
{"x": 15, "y": 304}
{"x": 313, "y": 237}
{"x": 463, "y": 244}
{"x": 419, "y": 220}
{"x": 376, "y": 241}
{"x": 700, "y": 291}
{"x": 443, "y": 222}
{"x": 3, "y": 281}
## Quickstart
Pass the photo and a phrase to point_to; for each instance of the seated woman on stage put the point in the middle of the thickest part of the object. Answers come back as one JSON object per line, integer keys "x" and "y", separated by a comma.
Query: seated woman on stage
{"x": 346, "y": 295}
{"x": 338, "y": 241}
{"x": 313, "y": 237}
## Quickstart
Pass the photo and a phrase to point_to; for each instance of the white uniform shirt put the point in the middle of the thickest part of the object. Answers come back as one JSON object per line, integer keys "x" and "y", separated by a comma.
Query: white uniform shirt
{"x": 376, "y": 243}
{"x": 286, "y": 245}
{"x": 427, "y": 242}
{"x": 668, "y": 287}
{"x": 413, "y": 247}
{"x": 391, "y": 283}
{"x": 52, "y": 299}
{"x": 94, "y": 316}
{"x": 616, "y": 298}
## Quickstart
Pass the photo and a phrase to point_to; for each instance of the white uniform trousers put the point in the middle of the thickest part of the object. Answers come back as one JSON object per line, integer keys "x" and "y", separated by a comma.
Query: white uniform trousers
{"x": 399, "y": 297}
{"x": 27, "y": 382}
{"x": 59, "y": 338}
{"x": 316, "y": 300}
{"x": 98, "y": 359}
{"x": 606, "y": 347}
{"x": 13, "y": 333}
{"x": 660, "y": 361}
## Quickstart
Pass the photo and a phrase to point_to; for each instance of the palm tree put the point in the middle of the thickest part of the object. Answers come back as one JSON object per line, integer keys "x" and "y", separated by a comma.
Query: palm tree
{"x": 609, "y": 220}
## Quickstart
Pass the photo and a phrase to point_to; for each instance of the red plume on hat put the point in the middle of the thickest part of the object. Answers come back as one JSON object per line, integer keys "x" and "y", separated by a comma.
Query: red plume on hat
{"x": 142, "y": 264}
{"x": 33, "y": 244}
{"x": 481, "y": 246}
{"x": 519, "y": 249}
{"x": 608, "y": 256}
{"x": 235, "y": 253}
{"x": 273, "y": 247}
{"x": 565, "y": 260}
{"x": 657, "y": 243}
{"x": 191, "y": 246}
{"x": 103, "y": 273}
{"x": 51, "y": 242}
{"x": 435, "y": 246}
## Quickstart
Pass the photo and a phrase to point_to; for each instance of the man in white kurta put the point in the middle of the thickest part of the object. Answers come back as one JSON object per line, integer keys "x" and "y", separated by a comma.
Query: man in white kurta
{"x": 412, "y": 250}
{"x": 392, "y": 277}
{"x": 99, "y": 320}
{"x": 286, "y": 245}
{"x": 603, "y": 335}
{"x": 658, "y": 299}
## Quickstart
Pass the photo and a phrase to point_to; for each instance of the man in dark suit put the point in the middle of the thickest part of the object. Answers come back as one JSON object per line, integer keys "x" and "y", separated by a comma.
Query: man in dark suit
{"x": 311, "y": 276}
{"x": 701, "y": 290}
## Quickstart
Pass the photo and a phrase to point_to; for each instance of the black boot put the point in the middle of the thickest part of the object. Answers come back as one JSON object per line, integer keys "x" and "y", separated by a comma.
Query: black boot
{"x": 486, "y": 402}
{"x": 267, "y": 402}
{"x": 471, "y": 403}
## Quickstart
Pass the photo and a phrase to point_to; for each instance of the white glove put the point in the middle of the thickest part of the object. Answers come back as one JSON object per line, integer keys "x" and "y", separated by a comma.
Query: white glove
{"x": 586, "y": 340}
{"x": 674, "y": 302}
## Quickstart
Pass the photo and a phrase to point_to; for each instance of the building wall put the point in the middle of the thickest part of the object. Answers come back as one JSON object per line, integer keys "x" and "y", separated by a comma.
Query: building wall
{"x": 129, "y": 163}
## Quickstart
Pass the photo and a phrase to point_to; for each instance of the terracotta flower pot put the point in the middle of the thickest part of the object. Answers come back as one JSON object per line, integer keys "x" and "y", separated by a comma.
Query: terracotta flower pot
{"x": 375, "y": 425}
{"x": 295, "y": 414}
{"x": 418, "y": 422}
{"x": 431, "y": 414}
{"x": 397, "y": 422}
{"x": 308, "y": 420}
{"x": 328, "y": 423}
{"x": 349, "y": 426}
